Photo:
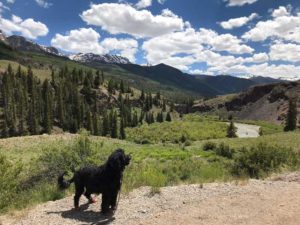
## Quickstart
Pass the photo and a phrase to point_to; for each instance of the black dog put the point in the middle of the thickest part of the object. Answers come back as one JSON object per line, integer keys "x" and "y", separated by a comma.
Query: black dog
{"x": 105, "y": 179}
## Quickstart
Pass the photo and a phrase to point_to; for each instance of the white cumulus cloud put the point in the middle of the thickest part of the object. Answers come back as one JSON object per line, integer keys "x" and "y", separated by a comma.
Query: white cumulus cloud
{"x": 238, "y": 22}
{"x": 240, "y": 2}
{"x": 127, "y": 47}
{"x": 87, "y": 40}
{"x": 83, "y": 40}
{"x": 128, "y": 20}
{"x": 283, "y": 25}
{"x": 3, "y": 7}
{"x": 182, "y": 49}
{"x": 143, "y": 4}
{"x": 285, "y": 52}
{"x": 43, "y": 3}
{"x": 28, "y": 28}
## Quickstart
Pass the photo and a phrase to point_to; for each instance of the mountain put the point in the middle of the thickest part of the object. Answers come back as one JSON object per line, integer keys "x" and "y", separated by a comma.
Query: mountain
{"x": 204, "y": 85}
{"x": 172, "y": 77}
{"x": 265, "y": 80}
{"x": 168, "y": 80}
{"x": 262, "y": 102}
{"x": 22, "y": 44}
{"x": 92, "y": 58}
{"x": 226, "y": 84}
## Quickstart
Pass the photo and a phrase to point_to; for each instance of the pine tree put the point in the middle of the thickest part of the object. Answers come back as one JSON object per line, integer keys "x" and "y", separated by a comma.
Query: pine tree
{"x": 22, "y": 112}
{"x": 47, "y": 115}
{"x": 159, "y": 117}
{"x": 60, "y": 107}
{"x": 122, "y": 88}
{"x": 19, "y": 72}
{"x": 291, "y": 118}
{"x": 135, "y": 120}
{"x": 96, "y": 127}
{"x": 142, "y": 97}
{"x": 53, "y": 78}
{"x": 105, "y": 125}
{"x": 168, "y": 117}
{"x": 102, "y": 77}
{"x": 164, "y": 107}
{"x": 30, "y": 80}
{"x": 110, "y": 87}
{"x": 142, "y": 116}
{"x": 89, "y": 122}
{"x": 172, "y": 107}
{"x": 4, "y": 131}
{"x": 97, "y": 80}
{"x": 151, "y": 118}
{"x": 122, "y": 130}
{"x": 231, "y": 130}
{"x": 114, "y": 124}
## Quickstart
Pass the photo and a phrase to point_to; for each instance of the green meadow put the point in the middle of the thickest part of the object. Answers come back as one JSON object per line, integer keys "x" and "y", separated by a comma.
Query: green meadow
{"x": 191, "y": 150}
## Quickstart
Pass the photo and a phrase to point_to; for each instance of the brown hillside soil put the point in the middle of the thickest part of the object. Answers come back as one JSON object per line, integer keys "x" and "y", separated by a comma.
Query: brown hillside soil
{"x": 273, "y": 201}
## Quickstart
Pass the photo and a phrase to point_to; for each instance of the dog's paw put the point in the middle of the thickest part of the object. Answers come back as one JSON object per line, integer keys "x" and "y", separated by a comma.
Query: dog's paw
{"x": 76, "y": 208}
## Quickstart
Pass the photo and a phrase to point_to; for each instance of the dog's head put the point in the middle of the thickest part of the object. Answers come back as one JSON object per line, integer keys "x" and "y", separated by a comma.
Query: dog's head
{"x": 118, "y": 160}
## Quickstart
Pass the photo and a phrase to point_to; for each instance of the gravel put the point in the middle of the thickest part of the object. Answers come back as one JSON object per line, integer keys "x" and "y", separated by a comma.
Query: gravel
{"x": 272, "y": 201}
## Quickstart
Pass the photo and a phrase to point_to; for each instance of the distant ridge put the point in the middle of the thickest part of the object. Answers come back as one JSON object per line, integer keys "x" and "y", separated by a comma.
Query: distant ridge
{"x": 91, "y": 58}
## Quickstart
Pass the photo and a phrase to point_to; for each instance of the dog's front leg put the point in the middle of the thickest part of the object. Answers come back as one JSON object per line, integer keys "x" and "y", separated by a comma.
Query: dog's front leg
{"x": 106, "y": 198}
{"x": 113, "y": 200}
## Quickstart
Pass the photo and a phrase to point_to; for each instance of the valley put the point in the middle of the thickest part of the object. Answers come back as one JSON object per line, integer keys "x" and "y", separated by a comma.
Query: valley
{"x": 194, "y": 139}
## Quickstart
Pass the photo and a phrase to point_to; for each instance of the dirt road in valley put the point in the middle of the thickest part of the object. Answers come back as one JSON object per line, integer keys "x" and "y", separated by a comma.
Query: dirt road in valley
{"x": 247, "y": 130}
{"x": 275, "y": 201}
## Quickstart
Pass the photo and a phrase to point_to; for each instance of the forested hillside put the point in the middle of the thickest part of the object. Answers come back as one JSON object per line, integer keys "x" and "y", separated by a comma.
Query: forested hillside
{"x": 74, "y": 99}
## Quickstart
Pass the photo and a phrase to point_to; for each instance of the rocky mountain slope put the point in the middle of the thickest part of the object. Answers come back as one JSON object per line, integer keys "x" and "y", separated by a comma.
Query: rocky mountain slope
{"x": 92, "y": 58}
{"x": 255, "y": 202}
{"x": 22, "y": 44}
{"x": 262, "y": 102}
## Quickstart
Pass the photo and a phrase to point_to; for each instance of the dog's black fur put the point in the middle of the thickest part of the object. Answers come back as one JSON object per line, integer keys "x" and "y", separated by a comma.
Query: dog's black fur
{"x": 105, "y": 179}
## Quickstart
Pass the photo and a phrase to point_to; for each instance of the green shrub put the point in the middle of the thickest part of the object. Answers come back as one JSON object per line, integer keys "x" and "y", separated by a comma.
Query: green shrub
{"x": 9, "y": 179}
{"x": 262, "y": 159}
{"x": 144, "y": 142}
{"x": 209, "y": 146}
{"x": 224, "y": 151}
{"x": 187, "y": 143}
{"x": 54, "y": 161}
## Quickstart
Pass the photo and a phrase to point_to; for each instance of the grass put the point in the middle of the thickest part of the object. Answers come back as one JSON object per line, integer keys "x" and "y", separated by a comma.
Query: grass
{"x": 191, "y": 128}
{"x": 153, "y": 165}
{"x": 288, "y": 139}
{"x": 267, "y": 127}
{"x": 164, "y": 163}
{"x": 42, "y": 73}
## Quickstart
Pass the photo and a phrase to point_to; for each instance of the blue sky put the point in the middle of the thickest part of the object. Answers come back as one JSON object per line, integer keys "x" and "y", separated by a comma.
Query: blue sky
{"x": 238, "y": 37}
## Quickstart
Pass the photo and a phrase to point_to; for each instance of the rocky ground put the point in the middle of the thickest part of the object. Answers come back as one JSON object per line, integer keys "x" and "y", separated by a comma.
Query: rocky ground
{"x": 272, "y": 201}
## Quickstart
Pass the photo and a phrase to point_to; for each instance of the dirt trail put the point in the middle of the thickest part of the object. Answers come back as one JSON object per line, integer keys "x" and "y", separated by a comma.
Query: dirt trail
{"x": 274, "y": 201}
{"x": 247, "y": 130}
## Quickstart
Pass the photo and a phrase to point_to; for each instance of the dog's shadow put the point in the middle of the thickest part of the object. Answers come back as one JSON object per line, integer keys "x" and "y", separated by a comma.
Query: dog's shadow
{"x": 86, "y": 216}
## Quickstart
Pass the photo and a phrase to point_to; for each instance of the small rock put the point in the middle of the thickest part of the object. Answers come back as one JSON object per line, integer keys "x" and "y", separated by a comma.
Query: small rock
{"x": 142, "y": 211}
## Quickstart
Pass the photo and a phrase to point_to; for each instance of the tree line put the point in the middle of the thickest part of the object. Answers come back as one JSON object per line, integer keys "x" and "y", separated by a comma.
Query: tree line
{"x": 72, "y": 100}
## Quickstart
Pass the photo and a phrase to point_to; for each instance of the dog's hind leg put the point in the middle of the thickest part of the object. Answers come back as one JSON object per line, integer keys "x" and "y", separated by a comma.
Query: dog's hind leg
{"x": 78, "y": 192}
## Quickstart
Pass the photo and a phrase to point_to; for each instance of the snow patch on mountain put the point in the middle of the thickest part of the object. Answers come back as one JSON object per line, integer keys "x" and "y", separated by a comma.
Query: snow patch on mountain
{"x": 91, "y": 57}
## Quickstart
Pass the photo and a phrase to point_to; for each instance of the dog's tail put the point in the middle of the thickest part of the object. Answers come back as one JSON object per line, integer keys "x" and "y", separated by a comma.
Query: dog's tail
{"x": 62, "y": 183}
